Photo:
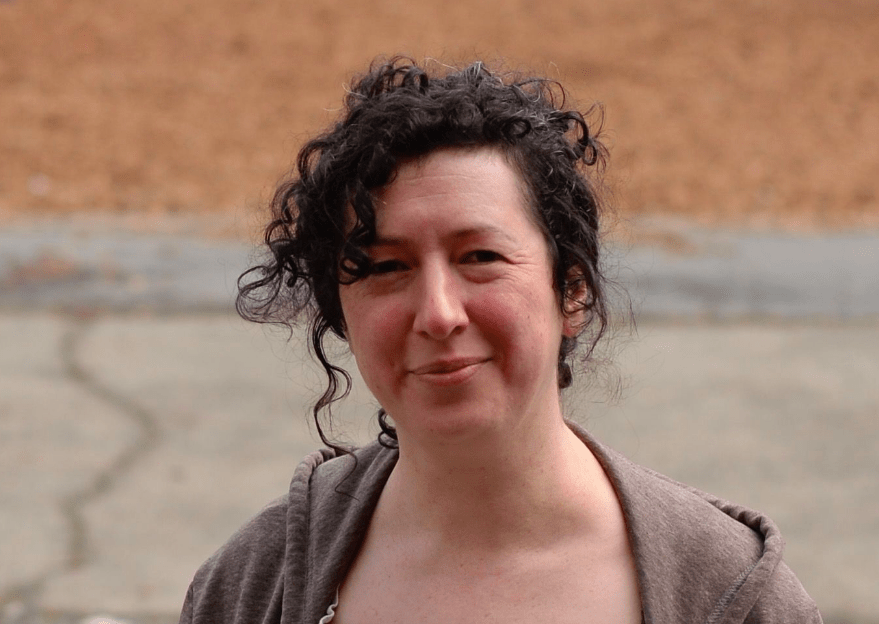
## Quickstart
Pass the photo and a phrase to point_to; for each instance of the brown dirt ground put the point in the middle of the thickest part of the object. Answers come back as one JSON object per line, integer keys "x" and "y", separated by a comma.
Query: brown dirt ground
{"x": 755, "y": 113}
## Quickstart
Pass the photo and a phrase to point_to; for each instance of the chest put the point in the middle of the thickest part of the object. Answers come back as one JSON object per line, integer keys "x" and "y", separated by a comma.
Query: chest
{"x": 570, "y": 589}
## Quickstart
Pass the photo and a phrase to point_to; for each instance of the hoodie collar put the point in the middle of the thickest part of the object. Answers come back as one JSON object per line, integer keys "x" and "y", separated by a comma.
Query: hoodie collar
{"x": 342, "y": 495}
{"x": 699, "y": 558}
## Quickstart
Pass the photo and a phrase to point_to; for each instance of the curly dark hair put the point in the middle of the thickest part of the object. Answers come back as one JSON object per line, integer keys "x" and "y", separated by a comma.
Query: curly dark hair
{"x": 397, "y": 111}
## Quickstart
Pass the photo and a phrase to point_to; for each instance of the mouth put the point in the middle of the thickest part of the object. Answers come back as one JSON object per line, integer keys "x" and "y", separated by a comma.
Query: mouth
{"x": 448, "y": 366}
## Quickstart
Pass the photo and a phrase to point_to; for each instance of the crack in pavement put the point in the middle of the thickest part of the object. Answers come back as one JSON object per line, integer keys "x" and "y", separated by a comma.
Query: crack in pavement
{"x": 21, "y": 603}
{"x": 145, "y": 441}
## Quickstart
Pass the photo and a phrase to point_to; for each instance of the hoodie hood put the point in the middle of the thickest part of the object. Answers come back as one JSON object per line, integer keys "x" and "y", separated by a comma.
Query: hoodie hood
{"x": 699, "y": 558}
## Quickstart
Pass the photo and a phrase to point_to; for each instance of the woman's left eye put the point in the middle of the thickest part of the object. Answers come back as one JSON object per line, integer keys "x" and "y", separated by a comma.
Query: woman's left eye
{"x": 481, "y": 256}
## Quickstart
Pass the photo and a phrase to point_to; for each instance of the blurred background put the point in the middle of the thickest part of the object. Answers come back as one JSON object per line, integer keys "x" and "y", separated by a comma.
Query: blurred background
{"x": 755, "y": 112}
{"x": 141, "y": 422}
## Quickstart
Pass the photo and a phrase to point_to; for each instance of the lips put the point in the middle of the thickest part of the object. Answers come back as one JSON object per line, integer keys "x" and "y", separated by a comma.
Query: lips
{"x": 447, "y": 366}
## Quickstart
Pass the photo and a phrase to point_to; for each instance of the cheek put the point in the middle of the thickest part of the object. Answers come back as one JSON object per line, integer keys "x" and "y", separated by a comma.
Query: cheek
{"x": 524, "y": 321}
{"x": 373, "y": 332}
{"x": 510, "y": 320}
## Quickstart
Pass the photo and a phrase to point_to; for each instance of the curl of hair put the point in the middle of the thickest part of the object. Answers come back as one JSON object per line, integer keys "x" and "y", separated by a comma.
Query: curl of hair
{"x": 399, "y": 110}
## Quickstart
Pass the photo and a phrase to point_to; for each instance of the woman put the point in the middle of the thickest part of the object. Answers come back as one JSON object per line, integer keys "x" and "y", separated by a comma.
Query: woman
{"x": 446, "y": 229}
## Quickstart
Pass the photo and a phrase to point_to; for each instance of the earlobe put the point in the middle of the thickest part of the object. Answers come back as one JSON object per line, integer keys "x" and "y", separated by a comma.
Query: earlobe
{"x": 573, "y": 323}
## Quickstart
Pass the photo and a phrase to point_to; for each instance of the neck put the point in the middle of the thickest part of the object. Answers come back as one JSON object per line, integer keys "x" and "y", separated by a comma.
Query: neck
{"x": 502, "y": 490}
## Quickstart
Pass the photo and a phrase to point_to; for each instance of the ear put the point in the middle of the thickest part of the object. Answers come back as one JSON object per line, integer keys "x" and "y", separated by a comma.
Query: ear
{"x": 574, "y": 303}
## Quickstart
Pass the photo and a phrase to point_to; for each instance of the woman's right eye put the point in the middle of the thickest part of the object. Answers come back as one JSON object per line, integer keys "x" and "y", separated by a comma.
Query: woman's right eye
{"x": 387, "y": 266}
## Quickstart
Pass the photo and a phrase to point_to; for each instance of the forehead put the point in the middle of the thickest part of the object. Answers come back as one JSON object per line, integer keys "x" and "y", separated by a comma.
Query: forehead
{"x": 465, "y": 185}
{"x": 448, "y": 163}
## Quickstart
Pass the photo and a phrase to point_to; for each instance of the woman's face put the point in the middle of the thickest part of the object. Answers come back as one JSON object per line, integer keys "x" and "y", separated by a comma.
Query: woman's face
{"x": 458, "y": 328}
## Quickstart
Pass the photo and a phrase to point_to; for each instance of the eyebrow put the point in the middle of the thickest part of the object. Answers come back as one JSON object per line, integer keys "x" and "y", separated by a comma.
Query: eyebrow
{"x": 463, "y": 233}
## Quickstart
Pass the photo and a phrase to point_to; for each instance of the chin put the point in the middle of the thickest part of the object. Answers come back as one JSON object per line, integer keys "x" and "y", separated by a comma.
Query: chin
{"x": 453, "y": 423}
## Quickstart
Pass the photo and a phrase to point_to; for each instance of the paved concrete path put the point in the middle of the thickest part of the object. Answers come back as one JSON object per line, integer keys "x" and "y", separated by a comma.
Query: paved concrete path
{"x": 140, "y": 423}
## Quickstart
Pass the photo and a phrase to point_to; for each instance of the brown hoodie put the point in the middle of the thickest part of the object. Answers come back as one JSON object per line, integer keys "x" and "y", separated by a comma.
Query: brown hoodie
{"x": 700, "y": 559}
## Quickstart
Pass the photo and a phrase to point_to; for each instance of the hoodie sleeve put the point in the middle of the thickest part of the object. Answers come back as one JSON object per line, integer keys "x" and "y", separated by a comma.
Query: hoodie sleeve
{"x": 243, "y": 581}
{"x": 784, "y": 601}
{"x": 186, "y": 612}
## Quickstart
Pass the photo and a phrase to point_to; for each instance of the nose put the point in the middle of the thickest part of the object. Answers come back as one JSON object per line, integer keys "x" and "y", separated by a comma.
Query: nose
{"x": 440, "y": 310}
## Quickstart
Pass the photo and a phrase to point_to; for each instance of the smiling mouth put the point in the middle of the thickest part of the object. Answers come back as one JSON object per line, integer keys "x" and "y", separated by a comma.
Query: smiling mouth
{"x": 446, "y": 367}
